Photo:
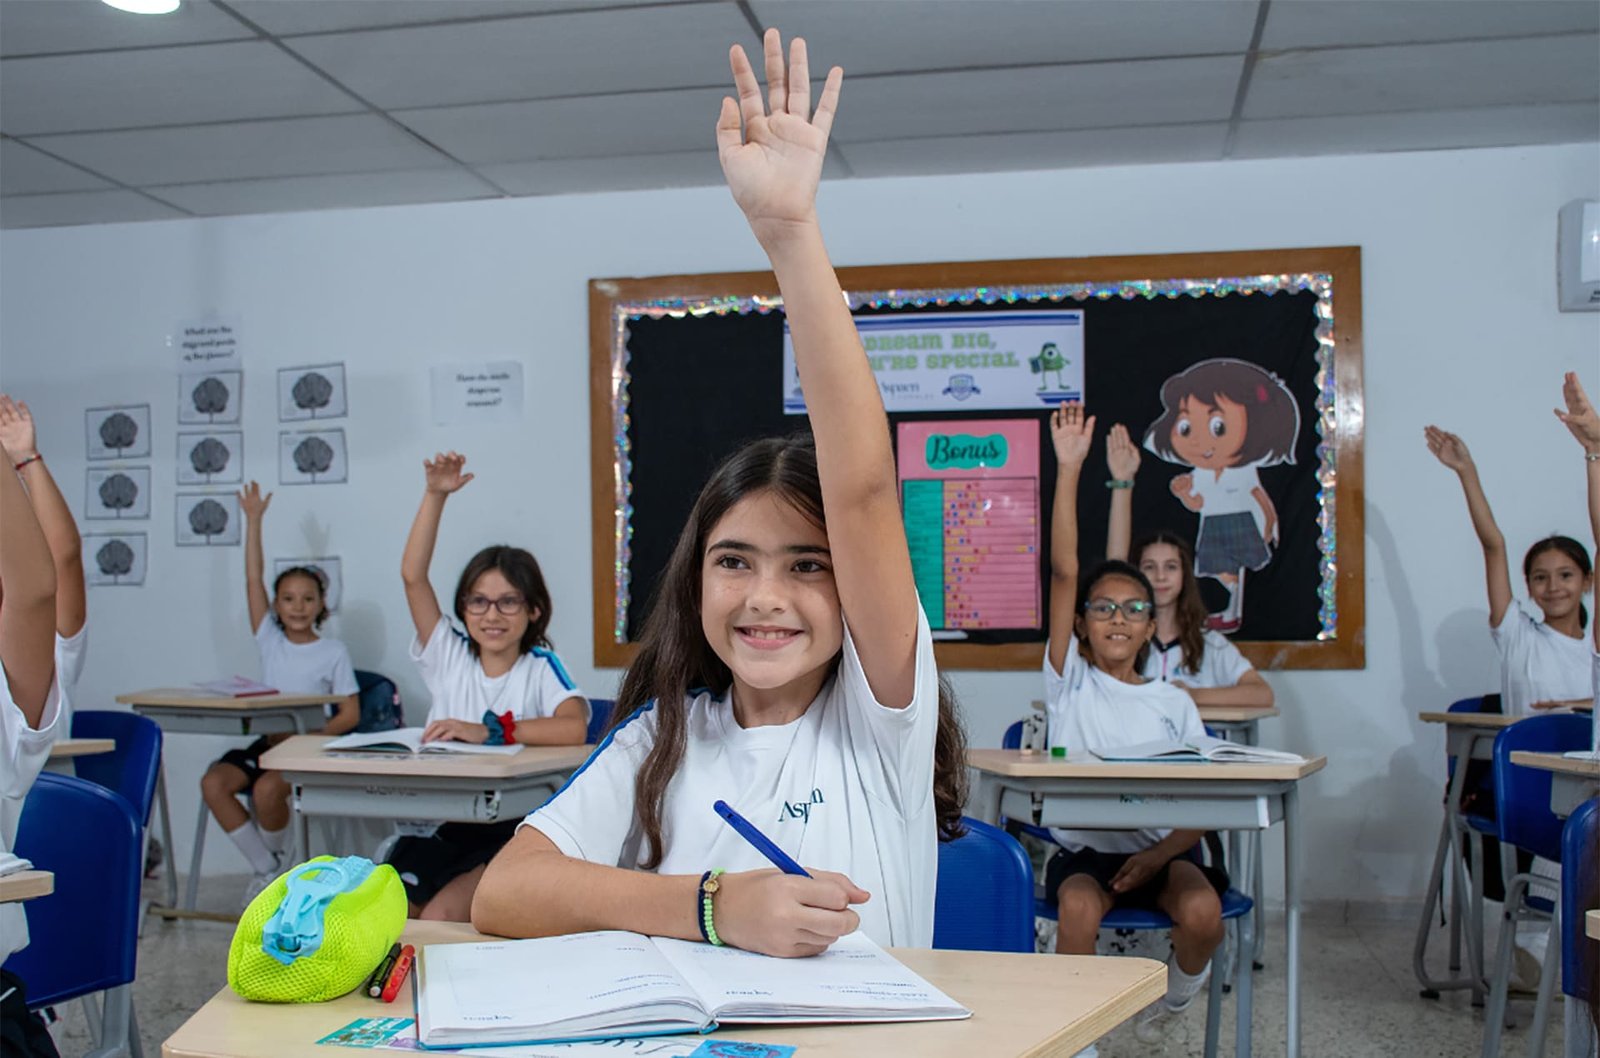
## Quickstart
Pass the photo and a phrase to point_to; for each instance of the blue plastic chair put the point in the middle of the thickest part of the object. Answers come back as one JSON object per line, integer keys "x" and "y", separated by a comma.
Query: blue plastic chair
{"x": 1012, "y": 739}
{"x": 133, "y": 767}
{"x": 83, "y": 938}
{"x": 1522, "y": 802}
{"x": 599, "y": 716}
{"x": 984, "y": 900}
{"x": 1580, "y": 892}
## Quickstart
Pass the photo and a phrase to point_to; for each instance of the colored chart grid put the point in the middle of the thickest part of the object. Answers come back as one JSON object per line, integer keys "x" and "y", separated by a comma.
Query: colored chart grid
{"x": 975, "y": 550}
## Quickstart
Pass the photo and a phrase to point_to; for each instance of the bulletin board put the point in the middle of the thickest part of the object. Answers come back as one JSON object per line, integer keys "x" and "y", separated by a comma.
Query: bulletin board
{"x": 685, "y": 369}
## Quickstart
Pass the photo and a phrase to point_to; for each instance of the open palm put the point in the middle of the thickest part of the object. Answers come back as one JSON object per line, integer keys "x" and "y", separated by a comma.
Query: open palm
{"x": 773, "y": 164}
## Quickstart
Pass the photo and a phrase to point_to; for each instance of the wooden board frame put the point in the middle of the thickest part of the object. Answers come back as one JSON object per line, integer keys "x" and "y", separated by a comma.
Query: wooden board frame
{"x": 1345, "y": 650}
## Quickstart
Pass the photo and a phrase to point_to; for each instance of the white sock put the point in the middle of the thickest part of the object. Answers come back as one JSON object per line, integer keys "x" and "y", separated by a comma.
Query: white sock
{"x": 276, "y": 840}
{"x": 1181, "y": 987}
{"x": 248, "y": 838}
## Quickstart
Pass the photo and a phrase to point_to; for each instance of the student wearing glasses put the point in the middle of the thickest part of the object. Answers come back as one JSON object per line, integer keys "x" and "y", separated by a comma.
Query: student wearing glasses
{"x": 1097, "y": 699}
{"x": 499, "y": 682}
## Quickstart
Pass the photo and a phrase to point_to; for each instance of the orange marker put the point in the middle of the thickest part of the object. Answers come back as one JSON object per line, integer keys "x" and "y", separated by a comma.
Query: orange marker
{"x": 402, "y": 966}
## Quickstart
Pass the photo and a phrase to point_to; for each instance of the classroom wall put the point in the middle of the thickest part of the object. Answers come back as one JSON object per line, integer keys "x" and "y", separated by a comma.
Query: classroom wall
{"x": 1461, "y": 329}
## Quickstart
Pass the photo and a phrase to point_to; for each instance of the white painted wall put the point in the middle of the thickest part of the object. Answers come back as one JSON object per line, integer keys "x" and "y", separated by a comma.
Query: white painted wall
{"x": 1461, "y": 329}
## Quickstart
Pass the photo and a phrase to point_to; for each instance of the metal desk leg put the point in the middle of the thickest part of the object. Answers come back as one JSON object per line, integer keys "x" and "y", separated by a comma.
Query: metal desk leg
{"x": 985, "y": 799}
{"x": 191, "y": 893}
{"x": 1258, "y": 874}
{"x": 1435, "y": 896}
{"x": 1291, "y": 918}
{"x": 170, "y": 862}
{"x": 1244, "y": 1020}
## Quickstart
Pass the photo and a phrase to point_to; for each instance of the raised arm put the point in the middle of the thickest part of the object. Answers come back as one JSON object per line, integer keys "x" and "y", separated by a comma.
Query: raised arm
{"x": 1584, "y": 422}
{"x": 1452, "y": 452}
{"x": 254, "y": 506}
{"x": 772, "y": 167}
{"x": 443, "y": 476}
{"x": 18, "y": 436}
{"x": 27, "y": 599}
{"x": 1070, "y": 432}
{"x": 1122, "y": 462}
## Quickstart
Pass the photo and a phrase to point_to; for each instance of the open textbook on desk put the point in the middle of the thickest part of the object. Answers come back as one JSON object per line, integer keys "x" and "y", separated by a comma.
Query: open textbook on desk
{"x": 409, "y": 740}
{"x": 1199, "y": 749}
{"x": 614, "y": 983}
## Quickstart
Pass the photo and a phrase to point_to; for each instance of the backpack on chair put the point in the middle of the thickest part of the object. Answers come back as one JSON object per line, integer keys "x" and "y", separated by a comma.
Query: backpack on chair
{"x": 379, "y": 699}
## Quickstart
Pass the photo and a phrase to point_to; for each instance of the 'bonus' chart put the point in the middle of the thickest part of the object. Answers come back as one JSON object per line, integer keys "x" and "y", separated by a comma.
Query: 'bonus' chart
{"x": 970, "y": 496}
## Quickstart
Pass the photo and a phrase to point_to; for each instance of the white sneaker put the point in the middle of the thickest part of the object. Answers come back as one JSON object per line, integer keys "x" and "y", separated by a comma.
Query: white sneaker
{"x": 259, "y": 882}
{"x": 1157, "y": 1019}
{"x": 1525, "y": 971}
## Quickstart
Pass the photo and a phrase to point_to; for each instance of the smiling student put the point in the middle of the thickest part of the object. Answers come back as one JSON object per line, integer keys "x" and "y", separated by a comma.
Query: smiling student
{"x": 786, "y": 666}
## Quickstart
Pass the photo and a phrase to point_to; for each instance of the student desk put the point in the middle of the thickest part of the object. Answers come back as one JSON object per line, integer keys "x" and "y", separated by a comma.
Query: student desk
{"x": 188, "y": 711}
{"x": 1084, "y": 792}
{"x": 1034, "y": 1005}
{"x": 26, "y": 885}
{"x": 438, "y": 787}
{"x": 1591, "y": 924}
{"x": 63, "y": 750}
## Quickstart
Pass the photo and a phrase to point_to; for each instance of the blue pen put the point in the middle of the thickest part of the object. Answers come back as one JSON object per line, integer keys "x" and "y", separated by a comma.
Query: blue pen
{"x": 762, "y": 843}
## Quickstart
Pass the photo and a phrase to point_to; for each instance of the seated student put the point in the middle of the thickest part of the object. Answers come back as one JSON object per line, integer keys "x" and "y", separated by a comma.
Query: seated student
{"x": 1096, "y": 699}
{"x": 294, "y": 660}
{"x": 498, "y": 683}
{"x": 1584, "y": 422}
{"x": 1183, "y": 651}
{"x": 66, "y": 547}
{"x": 786, "y": 666}
{"x": 30, "y": 711}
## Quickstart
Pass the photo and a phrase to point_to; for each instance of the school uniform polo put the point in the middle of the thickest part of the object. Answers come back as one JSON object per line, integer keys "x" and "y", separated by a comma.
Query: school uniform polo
{"x": 23, "y": 751}
{"x": 847, "y": 787}
{"x": 1537, "y": 663}
{"x": 69, "y": 666}
{"x": 530, "y": 689}
{"x": 321, "y": 666}
{"x": 1221, "y": 664}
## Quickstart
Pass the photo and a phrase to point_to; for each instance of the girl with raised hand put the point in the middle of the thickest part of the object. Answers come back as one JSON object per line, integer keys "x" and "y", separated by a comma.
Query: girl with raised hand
{"x": 497, "y": 682}
{"x": 786, "y": 666}
{"x": 1581, "y": 418}
{"x": 19, "y": 437}
{"x": 295, "y": 659}
{"x": 1544, "y": 663}
{"x": 1183, "y": 651}
{"x": 1097, "y": 699}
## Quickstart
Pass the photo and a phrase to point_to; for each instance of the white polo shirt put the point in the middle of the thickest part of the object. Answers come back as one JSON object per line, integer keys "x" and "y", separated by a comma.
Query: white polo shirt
{"x": 69, "y": 666}
{"x": 23, "y": 751}
{"x": 321, "y": 666}
{"x": 530, "y": 689}
{"x": 1538, "y": 663}
{"x": 847, "y": 787}
{"x": 1221, "y": 664}
{"x": 1087, "y": 709}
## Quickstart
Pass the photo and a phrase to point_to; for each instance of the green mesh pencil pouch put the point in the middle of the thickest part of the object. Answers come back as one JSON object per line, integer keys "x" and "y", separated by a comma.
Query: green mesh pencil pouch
{"x": 317, "y": 931}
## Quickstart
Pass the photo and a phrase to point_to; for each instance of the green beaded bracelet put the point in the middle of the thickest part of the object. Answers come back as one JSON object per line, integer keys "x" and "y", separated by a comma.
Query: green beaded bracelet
{"x": 708, "y": 889}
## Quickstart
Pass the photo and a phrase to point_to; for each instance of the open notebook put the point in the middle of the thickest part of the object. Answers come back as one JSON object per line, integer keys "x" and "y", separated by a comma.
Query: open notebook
{"x": 615, "y": 984}
{"x": 236, "y": 687}
{"x": 1200, "y": 749}
{"x": 409, "y": 740}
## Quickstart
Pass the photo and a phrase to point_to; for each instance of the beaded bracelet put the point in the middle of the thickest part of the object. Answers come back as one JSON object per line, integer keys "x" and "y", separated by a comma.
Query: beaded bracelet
{"x": 708, "y": 889}
{"x": 1117, "y": 483}
{"x": 31, "y": 459}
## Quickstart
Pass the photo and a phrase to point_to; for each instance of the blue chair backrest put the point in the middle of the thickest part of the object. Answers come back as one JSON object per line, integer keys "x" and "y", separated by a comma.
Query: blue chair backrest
{"x": 1468, "y": 705}
{"x": 1580, "y": 892}
{"x": 83, "y": 937}
{"x": 984, "y": 900}
{"x": 380, "y": 702}
{"x": 1012, "y": 739}
{"x": 133, "y": 767}
{"x": 599, "y": 716}
{"x": 1522, "y": 795}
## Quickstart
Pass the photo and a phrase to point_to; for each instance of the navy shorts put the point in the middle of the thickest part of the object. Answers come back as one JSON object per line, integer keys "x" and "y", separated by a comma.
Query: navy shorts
{"x": 247, "y": 760}
{"x": 1103, "y": 866}
{"x": 427, "y": 865}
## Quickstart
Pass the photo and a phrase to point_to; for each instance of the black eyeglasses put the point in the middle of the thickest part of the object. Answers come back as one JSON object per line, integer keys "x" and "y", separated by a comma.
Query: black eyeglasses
{"x": 1136, "y": 611}
{"x": 510, "y": 605}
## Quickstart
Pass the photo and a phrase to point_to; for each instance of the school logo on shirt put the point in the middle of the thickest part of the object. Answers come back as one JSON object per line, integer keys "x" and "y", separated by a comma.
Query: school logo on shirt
{"x": 800, "y": 810}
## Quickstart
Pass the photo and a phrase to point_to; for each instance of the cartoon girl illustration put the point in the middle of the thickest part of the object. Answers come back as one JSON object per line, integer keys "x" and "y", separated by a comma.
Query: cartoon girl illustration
{"x": 1226, "y": 419}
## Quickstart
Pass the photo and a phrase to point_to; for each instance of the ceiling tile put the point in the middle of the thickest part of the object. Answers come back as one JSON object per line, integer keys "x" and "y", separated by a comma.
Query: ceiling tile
{"x": 24, "y": 170}
{"x": 202, "y": 153}
{"x": 557, "y": 55}
{"x": 1036, "y": 150}
{"x": 1311, "y": 25}
{"x": 630, "y": 173}
{"x": 1418, "y": 130}
{"x": 1425, "y": 76}
{"x": 347, "y": 191}
{"x": 80, "y": 207}
{"x": 1052, "y": 98}
{"x": 880, "y": 36}
{"x": 160, "y": 86}
{"x": 589, "y": 126}
{"x": 281, "y": 17}
{"x": 31, "y": 26}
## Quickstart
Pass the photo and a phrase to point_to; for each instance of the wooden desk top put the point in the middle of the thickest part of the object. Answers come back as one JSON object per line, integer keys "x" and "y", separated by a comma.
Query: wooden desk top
{"x": 1487, "y": 721}
{"x": 304, "y": 754}
{"x": 1591, "y": 924}
{"x": 1236, "y": 714}
{"x": 1018, "y": 765}
{"x": 25, "y": 885}
{"x": 195, "y": 698}
{"x": 63, "y": 748}
{"x": 1586, "y": 769}
{"x": 1035, "y": 1005}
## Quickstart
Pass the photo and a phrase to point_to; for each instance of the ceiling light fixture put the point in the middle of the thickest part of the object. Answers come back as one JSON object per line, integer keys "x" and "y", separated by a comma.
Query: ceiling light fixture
{"x": 144, "y": 7}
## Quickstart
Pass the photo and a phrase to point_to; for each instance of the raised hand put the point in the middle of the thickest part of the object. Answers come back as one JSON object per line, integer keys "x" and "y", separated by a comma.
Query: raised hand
{"x": 774, "y": 164}
{"x": 1580, "y": 416}
{"x": 1448, "y": 449}
{"x": 16, "y": 429}
{"x": 252, "y": 502}
{"x": 444, "y": 474}
{"x": 1122, "y": 455}
{"x": 786, "y": 914}
{"x": 1071, "y": 432}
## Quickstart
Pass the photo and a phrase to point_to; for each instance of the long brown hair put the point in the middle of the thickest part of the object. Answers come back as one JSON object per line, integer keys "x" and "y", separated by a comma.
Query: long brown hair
{"x": 675, "y": 659}
{"x": 1190, "y": 608}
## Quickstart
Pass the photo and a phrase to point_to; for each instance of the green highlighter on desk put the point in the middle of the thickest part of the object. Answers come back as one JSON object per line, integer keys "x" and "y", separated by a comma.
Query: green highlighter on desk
{"x": 317, "y": 931}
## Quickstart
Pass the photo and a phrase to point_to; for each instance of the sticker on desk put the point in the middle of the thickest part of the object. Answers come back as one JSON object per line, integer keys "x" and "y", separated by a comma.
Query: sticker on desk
{"x": 740, "y": 1049}
{"x": 648, "y": 1047}
{"x": 370, "y": 1032}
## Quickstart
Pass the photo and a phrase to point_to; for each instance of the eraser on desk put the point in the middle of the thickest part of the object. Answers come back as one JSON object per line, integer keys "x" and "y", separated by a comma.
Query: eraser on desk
{"x": 1058, "y": 751}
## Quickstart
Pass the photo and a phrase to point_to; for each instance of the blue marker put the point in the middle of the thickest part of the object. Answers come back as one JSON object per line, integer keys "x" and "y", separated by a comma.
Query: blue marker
{"x": 762, "y": 843}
